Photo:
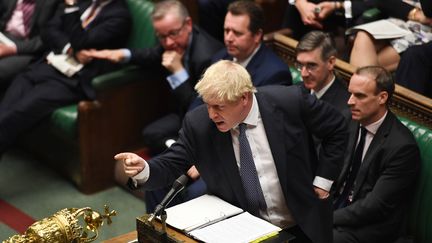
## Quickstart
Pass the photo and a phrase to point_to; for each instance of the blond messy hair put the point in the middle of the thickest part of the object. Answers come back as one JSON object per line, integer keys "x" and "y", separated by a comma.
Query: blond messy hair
{"x": 224, "y": 81}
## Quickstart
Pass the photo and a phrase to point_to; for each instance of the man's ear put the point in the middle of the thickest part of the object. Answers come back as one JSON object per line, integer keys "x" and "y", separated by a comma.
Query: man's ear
{"x": 383, "y": 97}
{"x": 331, "y": 63}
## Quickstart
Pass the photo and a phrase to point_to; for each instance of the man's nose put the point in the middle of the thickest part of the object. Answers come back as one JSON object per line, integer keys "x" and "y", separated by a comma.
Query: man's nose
{"x": 351, "y": 100}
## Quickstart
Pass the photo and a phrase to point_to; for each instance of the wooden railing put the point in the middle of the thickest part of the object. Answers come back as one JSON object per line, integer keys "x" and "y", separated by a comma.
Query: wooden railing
{"x": 405, "y": 103}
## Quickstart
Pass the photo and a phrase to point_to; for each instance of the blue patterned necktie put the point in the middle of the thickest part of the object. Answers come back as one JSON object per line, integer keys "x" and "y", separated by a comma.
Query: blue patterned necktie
{"x": 343, "y": 199}
{"x": 249, "y": 176}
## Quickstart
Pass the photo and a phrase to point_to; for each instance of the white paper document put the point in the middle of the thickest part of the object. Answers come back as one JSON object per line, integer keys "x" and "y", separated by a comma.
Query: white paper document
{"x": 240, "y": 228}
{"x": 5, "y": 40}
{"x": 199, "y": 212}
{"x": 211, "y": 219}
{"x": 64, "y": 63}
{"x": 381, "y": 29}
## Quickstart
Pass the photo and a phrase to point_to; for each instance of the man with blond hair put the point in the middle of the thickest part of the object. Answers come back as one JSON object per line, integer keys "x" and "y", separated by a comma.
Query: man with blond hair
{"x": 253, "y": 148}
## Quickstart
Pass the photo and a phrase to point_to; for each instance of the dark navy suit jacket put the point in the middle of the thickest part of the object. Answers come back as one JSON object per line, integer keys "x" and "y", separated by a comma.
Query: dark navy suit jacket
{"x": 290, "y": 117}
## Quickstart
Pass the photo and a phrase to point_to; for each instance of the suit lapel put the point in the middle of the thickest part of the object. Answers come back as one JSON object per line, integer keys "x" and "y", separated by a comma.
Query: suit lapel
{"x": 225, "y": 151}
{"x": 39, "y": 6}
{"x": 375, "y": 146}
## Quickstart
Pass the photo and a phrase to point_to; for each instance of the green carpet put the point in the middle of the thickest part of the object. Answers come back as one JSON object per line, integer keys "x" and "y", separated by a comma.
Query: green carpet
{"x": 38, "y": 191}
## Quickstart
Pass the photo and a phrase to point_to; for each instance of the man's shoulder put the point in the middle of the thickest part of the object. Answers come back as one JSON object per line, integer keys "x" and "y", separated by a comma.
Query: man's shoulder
{"x": 397, "y": 131}
{"x": 279, "y": 94}
{"x": 267, "y": 58}
{"x": 222, "y": 54}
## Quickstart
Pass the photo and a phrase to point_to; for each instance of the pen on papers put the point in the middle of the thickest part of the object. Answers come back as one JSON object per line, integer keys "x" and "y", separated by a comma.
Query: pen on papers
{"x": 265, "y": 237}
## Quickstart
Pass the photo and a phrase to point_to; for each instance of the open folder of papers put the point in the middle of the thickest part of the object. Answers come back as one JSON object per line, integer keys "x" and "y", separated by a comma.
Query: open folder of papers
{"x": 210, "y": 219}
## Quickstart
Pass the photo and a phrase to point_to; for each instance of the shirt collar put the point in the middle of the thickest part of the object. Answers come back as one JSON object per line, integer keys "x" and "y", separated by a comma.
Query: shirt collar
{"x": 254, "y": 115}
{"x": 320, "y": 93}
{"x": 373, "y": 127}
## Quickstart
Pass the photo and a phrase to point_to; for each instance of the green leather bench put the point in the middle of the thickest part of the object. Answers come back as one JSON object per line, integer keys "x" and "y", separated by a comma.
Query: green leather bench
{"x": 80, "y": 140}
{"x": 415, "y": 111}
{"x": 420, "y": 221}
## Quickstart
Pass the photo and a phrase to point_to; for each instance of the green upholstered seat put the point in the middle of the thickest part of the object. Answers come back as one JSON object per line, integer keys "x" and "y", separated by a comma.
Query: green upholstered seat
{"x": 420, "y": 220}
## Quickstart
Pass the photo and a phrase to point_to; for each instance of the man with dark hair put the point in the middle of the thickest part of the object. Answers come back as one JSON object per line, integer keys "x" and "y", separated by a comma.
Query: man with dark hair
{"x": 381, "y": 165}
{"x": 316, "y": 58}
{"x": 243, "y": 32}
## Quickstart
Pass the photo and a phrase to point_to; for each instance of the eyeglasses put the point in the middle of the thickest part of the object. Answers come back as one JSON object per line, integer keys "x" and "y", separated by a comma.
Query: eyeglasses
{"x": 172, "y": 34}
{"x": 310, "y": 67}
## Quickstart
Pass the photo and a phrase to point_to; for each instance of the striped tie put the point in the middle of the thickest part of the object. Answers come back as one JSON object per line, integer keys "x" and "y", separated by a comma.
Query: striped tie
{"x": 27, "y": 8}
{"x": 249, "y": 176}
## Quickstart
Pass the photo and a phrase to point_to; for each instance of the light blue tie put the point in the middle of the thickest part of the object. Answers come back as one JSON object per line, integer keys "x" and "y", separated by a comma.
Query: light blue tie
{"x": 249, "y": 176}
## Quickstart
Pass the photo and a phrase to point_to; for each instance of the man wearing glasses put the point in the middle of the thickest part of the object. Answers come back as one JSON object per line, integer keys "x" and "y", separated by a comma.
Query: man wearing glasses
{"x": 183, "y": 53}
{"x": 316, "y": 57}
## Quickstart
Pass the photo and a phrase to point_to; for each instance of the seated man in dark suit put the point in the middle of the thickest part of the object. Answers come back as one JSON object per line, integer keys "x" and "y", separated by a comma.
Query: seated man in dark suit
{"x": 381, "y": 165}
{"x": 270, "y": 127}
{"x": 21, "y": 22}
{"x": 183, "y": 53}
{"x": 316, "y": 58}
{"x": 73, "y": 31}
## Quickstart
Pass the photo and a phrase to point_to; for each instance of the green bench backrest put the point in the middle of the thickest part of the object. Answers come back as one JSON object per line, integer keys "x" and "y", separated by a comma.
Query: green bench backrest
{"x": 420, "y": 221}
{"x": 142, "y": 34}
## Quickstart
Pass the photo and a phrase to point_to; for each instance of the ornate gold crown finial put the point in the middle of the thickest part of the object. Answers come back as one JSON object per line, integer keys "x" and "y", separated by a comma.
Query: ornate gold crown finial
{"x": 64, "y": 227}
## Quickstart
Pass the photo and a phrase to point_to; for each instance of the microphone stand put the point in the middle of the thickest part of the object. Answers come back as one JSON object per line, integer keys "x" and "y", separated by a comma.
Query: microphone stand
{"x": 163, "y": 221}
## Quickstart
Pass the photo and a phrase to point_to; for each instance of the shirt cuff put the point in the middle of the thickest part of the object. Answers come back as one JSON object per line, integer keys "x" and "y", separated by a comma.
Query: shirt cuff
{"x": 348, "y": 9}
{"x": 127, "y": 55}
{"x": 322, "y": 183}
{"x": 72, "y": 9}
{"x": 178, "y": 78}
{"x": 66, "y": 48}
{"x": 143, "y": 176}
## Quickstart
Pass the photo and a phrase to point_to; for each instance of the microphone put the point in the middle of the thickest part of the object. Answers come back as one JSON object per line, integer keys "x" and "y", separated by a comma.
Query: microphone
{"x": 178, "y": 185}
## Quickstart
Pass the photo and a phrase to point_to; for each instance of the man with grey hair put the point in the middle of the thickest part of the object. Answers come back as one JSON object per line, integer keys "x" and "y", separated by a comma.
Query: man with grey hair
{"x": 183, "y": 53}
{"x": 316, "y": 58}
{"x": 253, "y": 148}
{"x": 381, "y": 165}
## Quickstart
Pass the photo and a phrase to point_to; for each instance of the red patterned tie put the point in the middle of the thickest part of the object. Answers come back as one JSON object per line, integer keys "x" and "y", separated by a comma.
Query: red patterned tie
{"x": 92, "y": 13}
{"x": 27, "y": 8}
